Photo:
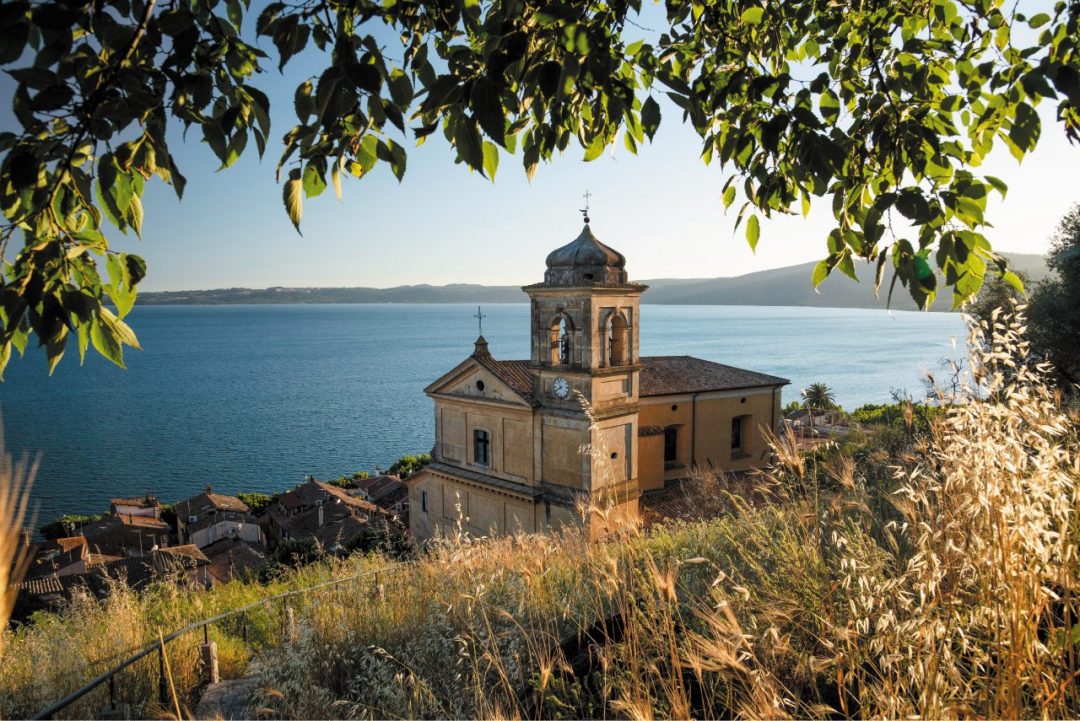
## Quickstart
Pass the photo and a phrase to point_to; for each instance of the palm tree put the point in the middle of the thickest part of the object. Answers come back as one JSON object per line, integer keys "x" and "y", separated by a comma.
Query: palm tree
{"x": 817, "y": 397}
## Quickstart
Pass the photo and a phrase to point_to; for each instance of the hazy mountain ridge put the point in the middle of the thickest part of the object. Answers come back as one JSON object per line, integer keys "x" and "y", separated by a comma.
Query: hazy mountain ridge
{"x": 778, "y": 286}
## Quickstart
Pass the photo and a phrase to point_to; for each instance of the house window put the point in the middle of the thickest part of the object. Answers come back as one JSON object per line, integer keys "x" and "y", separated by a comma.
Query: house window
{"x": 423, "y": 501}
{"x": 481, "y": 447}
{"x": 738, "y": 434}
{"x": 671, "y": 444}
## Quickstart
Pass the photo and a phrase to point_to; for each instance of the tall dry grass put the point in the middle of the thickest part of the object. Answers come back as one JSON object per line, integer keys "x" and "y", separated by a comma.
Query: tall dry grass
{"x": 16, "y": 478}
{"x": 57, "y": 652}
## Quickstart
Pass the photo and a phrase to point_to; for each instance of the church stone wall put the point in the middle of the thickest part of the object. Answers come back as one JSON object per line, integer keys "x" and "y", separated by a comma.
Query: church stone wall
{"x": 454, "y": 506}
{"x": 651, "y": 463}
{"x": 563, "y": 462}
{"x": 709, "y": 443}
{"x": 510, "y": 436}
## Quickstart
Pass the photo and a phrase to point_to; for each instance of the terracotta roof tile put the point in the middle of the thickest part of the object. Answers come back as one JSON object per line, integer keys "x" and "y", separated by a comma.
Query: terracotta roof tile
{"x": 144, "y": 502}
{"x": 188, "y": 550}
{"x": 42, "y": 586}
{"x": 66, "y": 544}
{"x": 142, "y": 521}
{"x": 518, "y": 374}
{"x": 660, "y": 376}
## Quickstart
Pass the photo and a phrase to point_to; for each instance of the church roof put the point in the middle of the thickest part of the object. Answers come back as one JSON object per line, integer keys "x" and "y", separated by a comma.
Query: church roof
{"x": 670, "y": 375}
{"x": 518, "y": 374}
{"x": 660, "y": 376}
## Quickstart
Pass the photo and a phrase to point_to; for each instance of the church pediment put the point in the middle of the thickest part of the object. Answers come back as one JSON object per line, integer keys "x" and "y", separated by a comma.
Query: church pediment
{"x": 475, "y": 379}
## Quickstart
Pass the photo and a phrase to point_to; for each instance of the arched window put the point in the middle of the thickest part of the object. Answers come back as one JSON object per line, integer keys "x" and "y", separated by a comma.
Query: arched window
{"x": 618, "y": 340}
{"x": 561, "y": 341}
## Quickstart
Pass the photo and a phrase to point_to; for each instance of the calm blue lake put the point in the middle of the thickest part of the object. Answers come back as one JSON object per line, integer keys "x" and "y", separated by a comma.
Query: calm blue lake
{"x": 256, "y": 397}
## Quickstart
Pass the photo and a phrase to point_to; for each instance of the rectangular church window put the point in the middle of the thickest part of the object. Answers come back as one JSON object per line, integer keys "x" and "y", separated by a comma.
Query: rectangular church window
{"x": 481, "y": 447}
{"x": 671, "y": 444}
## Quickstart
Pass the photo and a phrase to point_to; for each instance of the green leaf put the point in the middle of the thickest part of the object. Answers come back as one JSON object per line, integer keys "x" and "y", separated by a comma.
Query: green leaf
{"x": 752, "y": 15}
{"x": 292, "y": 194}
{"x": 998, "y": 183}
{"x": 488, "y": 110}
{"x": 491, "y": 159}
{"x": 753, "y": 232}
{"x": 1037, "y": 21}
{"x": 366, "y": 156}
{"x": 303, "y": 102}
{"x": 830, "y": 106}
{"x": 121, "y": 331}
{"x": 729, "y": 196}
{"x": 468, "y": 143}
{"x": 1025, "y": 127}
{"x": 820, "y": 273}
{"x": 120, "y": 288}
{"x": 1014, "y": 280}
{"x": 650, "y": 116}
{"x": 314, "y": 184}
{"x": 596, "y": 148}
{"x": 401, "y": 88}
{"x": 105, "y": 343}
{"x": 54, "y": 348}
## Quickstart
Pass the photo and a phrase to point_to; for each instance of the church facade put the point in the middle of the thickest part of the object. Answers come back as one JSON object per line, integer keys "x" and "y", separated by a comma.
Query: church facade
{"x": 578, "y": 431}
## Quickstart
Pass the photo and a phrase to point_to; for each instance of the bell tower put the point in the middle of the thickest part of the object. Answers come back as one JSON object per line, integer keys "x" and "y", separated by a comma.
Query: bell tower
{"x": 585, "y": 321}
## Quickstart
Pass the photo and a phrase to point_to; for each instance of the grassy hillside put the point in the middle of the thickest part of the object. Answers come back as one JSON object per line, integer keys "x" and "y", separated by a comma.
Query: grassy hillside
{"x": 780, "y": 286}
{"x": 909, "y": 570}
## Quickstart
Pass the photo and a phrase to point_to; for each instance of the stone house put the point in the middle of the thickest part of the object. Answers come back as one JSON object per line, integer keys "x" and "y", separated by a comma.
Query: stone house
{"x": 126, "y": 535}
{"x": 325, "y": 514}
{"x": 209, "y": 517}
{"x": 148, "y": 506}
{"x": 509, "y": 434}
{"x": 385, "y": 491}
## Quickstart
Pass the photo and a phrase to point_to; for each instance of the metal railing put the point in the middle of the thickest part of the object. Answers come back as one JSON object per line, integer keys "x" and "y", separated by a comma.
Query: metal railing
{"x": 158, "y": 646}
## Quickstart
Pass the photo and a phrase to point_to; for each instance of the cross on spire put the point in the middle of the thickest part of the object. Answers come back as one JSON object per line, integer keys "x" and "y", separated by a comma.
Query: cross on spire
{"x": 585, "y": 210}
{"x": 480, "y": 319}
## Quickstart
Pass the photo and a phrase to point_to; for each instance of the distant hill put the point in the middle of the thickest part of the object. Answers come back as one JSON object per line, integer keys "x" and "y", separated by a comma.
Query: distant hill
{"x": 791, "y": 286}
{"x": 779, "y": 286}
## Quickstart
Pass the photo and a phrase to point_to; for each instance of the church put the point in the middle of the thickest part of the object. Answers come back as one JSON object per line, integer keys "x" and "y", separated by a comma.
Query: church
{"x": 584, "y": 422}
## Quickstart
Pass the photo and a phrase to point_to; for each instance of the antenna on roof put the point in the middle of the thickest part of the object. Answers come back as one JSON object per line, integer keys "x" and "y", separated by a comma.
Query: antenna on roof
{"x": 480, "y": 320}
{"x": 585, "y": 211}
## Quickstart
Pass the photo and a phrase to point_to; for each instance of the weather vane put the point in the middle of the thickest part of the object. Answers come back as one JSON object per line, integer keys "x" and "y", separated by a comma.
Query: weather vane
{"x": 480, "y": 319}
{"x": 585, "y": 210}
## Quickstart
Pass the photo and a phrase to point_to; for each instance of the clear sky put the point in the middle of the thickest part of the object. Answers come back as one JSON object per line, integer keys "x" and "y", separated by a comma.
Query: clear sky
{"x": 445, "y": 224}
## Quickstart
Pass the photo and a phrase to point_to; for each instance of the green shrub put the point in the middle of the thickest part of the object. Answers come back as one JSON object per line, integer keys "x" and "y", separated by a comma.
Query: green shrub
{"x": 408, "y": 465}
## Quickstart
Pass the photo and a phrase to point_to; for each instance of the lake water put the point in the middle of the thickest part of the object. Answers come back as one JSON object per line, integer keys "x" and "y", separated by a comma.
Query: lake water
{"x": 256, "y": 397}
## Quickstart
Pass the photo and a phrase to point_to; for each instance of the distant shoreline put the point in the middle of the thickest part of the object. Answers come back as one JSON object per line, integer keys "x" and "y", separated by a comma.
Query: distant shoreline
{"x": 779, "y": 287}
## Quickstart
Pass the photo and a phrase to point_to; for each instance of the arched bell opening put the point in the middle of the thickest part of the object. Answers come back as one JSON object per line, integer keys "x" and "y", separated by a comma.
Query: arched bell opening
{"x": 561, "y": 334}
{"x": 618, "y": 340}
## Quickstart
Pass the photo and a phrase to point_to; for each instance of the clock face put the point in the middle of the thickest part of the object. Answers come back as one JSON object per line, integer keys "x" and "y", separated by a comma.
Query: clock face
{"x": 561, "y": 388}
